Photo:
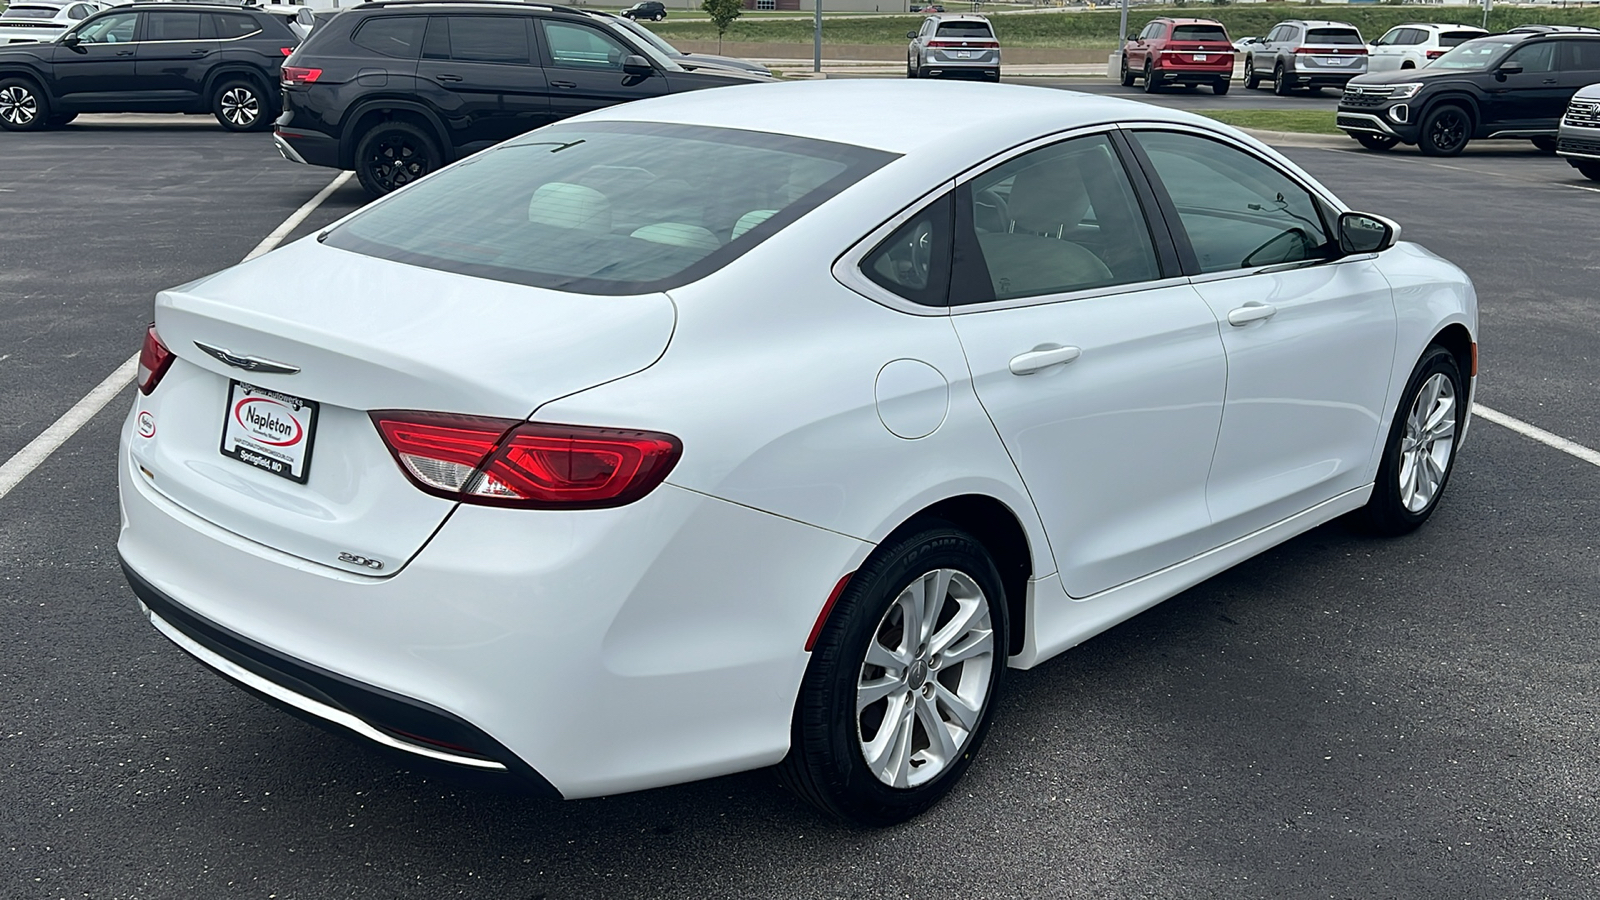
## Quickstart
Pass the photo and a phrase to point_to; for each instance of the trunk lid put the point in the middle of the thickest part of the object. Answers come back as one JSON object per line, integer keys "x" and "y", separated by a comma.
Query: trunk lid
{"x": 364, "y": 334}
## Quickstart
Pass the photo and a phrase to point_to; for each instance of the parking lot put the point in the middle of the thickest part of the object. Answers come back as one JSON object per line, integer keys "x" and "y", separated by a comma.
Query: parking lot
{"x": 1339, "y": 717}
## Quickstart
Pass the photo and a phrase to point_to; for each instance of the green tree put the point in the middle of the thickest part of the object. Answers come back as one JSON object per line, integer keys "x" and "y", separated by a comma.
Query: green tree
{"x": 722, "y": 13}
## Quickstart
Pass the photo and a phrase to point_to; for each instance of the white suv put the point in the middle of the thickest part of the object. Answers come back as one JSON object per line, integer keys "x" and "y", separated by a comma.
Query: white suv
{"x": 953, "y": 45}
{"x": 1579, "y": 137}
{"x": 1414, "y": 46}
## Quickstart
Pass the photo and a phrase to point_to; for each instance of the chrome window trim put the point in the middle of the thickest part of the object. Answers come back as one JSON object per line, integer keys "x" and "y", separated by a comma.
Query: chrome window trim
{"x": 847, "y": 268}
{"x": 1230, "y": 274}
{"x": 1222, "y": 136}
{"x": 1110, "y": 290}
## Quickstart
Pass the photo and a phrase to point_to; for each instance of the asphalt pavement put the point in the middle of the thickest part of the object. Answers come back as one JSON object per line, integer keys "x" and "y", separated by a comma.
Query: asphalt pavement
{"x": 1339, "y": 717}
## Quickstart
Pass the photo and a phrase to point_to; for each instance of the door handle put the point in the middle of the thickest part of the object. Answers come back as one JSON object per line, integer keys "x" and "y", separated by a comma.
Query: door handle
{"x": 447, "y": 78}
{"x": 564, "y": 85}
{"x": 200, "y": 52}
{"x": 1548, "y": 81}
{"x": 124, "y": 52}
{"x": 1251, "y": 312}
{"x": 1042, "y": 358}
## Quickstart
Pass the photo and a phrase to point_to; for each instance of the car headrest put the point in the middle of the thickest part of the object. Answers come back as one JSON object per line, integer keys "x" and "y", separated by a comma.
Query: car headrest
{"x": 570, "y": 206}
{"x": 751, "y": 219}
{"x": 677, "y": 234}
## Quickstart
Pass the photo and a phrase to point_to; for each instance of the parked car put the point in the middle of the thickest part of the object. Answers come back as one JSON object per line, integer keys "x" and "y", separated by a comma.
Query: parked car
{"x": 150, "y": 57}
{"x": 935, "y": 8}
{"x": 42, "y": 20}
{"x": 395, "y": 89}
{"x": 690, "y": 61}
{"x": 586, "y": 465}
{"x": 1238, "y": 43}
{"x": 1552, "y": 29}
{"x": 1179, "y": 51}
{"x": 1578, "y": 139}
{"x": 953, "y": 46}
{"x": 300, "y": 19}
{"x": 653, "y": 10}
{"x": 1501, "y": 86}
{"x": 1306, "y": 54}
{"x": 1414, "y": 46}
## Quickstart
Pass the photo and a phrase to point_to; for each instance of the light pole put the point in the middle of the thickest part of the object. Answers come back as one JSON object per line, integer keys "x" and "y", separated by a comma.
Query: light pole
{"x": 1122, "y": 30}
{"x": 816, "y": 38}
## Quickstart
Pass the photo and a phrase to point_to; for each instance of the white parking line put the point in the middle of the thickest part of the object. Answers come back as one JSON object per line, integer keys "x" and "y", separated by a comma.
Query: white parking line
{"x": 39, "y": 449}
{"x": 1579, "y": 187}
{"x": 1571, "y": 448}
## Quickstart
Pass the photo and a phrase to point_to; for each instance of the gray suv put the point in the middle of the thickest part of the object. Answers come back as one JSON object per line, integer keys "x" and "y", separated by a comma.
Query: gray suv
{"x": 958, "y": 46}
{"x": 1308, "y": 54}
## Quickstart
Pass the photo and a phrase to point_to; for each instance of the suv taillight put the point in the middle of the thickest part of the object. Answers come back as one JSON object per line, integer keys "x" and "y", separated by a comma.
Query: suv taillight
{"x": 154, "y": 360}
{"x": 1434, "y": 54}
{"x": 526, "y": 465}
{"x": 300, "y": 75}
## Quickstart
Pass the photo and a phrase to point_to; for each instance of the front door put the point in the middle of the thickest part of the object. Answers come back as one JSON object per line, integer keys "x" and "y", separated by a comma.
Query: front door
{"x": 174, "y": 55}
{"x": 1309, "y": 336}
{"x": 1104, "y": 379}
{"x": 488, "y": 70}
{"x": 1532, "y": 98}
{"x": 585, "y": 69}
{"x": 95, "y": 74}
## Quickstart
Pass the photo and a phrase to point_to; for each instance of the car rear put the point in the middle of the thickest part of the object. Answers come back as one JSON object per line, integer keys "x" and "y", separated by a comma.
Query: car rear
{"x": 962, "y": 46}
{"x": 1443, "y": 40}
{"x": 319, "y": 83}
{"x": 1196, "y": 53}
{"x": 23, "y": 23}
{"x": 1328, "y": 55}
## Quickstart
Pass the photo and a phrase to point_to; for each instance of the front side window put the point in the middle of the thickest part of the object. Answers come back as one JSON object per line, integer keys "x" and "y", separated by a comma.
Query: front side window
{"x": 580, "y": 47}
{"x": 116, "y": 28}
{"x": 1055, "y": 220}
{"x": 607, "y": 208}
{"x": 1390, "y": 38}
{"x": 1238, "y": 212}
{"x": 172, "y": 26}
{"x": 396, "y": 36}
{"x": 1535, "y": 58}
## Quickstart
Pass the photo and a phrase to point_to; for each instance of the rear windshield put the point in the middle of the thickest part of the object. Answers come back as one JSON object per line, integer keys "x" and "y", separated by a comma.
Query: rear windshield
{"x": 1199, "y": 33}
{"x": 1333, "y": 36}
{"x": 30, "y": 12}
{"x": 964, "y": 30}
{"x": 1474, "y": 54}
{"x": 1452, "y": 38}
{"x": 608, "y": 207}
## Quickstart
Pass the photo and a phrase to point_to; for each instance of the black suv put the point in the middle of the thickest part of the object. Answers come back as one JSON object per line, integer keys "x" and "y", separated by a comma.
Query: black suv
{"x": 654, "y": 10}
{"x": 1513, "y": 85}
{"x": 397, "y": 88}
{"x": 150, "y": 57}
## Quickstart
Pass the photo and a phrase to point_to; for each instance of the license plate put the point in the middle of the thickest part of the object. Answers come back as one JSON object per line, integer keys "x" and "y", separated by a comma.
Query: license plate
{"x": 269, "y": 430}
{"x": 1199, "y": 57}
{"x": 963, "y": 54}
{"x": 1337, "y": 60}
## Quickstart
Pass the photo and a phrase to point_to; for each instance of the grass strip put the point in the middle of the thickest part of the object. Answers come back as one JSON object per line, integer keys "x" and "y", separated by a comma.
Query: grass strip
{"x": 1302, "y": 121}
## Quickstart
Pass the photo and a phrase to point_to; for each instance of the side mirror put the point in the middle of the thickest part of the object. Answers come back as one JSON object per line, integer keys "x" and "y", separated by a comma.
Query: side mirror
{"x": 1366, "y": 233}
{"x": 1510, "y": 68}
{"x": 71, "y": 41}
{"x": 634, "y": 64}
{"x": 911, "y": 35}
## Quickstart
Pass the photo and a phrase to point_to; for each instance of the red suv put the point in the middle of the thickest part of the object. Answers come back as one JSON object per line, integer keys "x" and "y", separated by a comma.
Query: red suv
{"x": 1179, "y": 51}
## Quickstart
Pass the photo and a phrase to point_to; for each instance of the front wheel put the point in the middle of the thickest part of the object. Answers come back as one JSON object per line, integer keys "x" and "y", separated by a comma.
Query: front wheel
{"x": 1420, "y": 452}
{"x": 1590, "y": 171}
{"x": 1545, "y": 144}
{"x": 895, "y": 702}
{"x": 22, "y": 106}
{"x": 392, "y": 155}
{"x": 1376, "y": 141}
{"x": 1445, "y": 131}
{"x": 240, "y": 106}
{"x": 1251, "y": 79}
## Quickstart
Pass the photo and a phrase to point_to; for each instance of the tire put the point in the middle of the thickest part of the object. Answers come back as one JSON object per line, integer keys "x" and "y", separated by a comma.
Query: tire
{"x": 241, "y": 105}
{"x": 992, "y": 76}
{"x": 1280, "y": 81}
{"x": 60, "y": 119}
{"x": 1445, "y": 131}
{"x": 1375, "y": 141}
{"x": 910, "y": 681}
{"x": 1127, "y": 74}
{"x": 23, "y": 107}
{"x": 1590, "y": 171}
{"x": 1545, "y": 144}
{"x": 391, "y": 155}
{"x": 1220, "y": 87}
{"x": 1251, "y": 79}
{"x": 911, "y": 70}
{"x": 1150, "y": 83}
{"x": 1419, "y": 454}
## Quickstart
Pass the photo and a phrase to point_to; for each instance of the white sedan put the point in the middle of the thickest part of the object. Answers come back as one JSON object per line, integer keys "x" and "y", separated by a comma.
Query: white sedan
{"x": 751, "y": 427}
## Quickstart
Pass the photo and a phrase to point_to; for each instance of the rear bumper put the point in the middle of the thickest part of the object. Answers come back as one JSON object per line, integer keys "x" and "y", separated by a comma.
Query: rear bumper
{"x": 1193, "y": 74}
{"x": 1303, "y": 77}
{"x": 307, "y": 148}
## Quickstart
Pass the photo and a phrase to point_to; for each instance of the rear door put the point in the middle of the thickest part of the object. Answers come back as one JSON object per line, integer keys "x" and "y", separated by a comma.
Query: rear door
{"x": 488, "y": 68}
{"x": 174, "y": 56}
{"x": 1580, "y": 67}
{"x": 584, "y": 66}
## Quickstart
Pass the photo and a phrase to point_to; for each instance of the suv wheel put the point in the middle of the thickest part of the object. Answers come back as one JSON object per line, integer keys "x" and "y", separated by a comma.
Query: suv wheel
{"x": 1251, "y": 79}
{"x": 22, "y": 106}
{"x": 391, "y": 155}
{"x": 1375, "y": 141}
{"x": 1590, "y": 171}
{"x": 1220, "y": 86}
{"x": 1445, "y": 131}
{"x": 1127, "y": 74}
{"x": 1280, "y": 81}
{"x": 239, "y": 105}
{"x": 1545, "y": 144}
{"x": 1150, "y": 83}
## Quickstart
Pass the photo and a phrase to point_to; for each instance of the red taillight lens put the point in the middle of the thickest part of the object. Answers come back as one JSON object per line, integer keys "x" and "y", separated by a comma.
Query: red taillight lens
{"x": 286, "y": 50}
{"x": 1434, "y": 54}
{"x": 300, "y": 75}
{"x": 154, "y": 360}
{"x": 527, "y": 465}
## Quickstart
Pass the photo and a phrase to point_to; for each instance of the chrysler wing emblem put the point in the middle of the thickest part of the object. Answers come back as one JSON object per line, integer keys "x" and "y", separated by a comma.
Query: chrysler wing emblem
{"x": 248, "y": 363}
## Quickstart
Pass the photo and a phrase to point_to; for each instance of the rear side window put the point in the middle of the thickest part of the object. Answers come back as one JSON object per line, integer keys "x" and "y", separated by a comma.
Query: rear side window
{"x": 1581, "y": 56}
{"x": 172, "y": 26}
{"x": 1199, "y": 33}
{"x": 492, "y": 39}
{"x": 964, "y": 30}
{"x": 1333, "y": 36}
{"x": 1452, "y": 38}
{"x": 232, "y": 25}
{"x": 914, "y": 261}
{"x": 396, "y": 36}
{"x": 607, "y": 207}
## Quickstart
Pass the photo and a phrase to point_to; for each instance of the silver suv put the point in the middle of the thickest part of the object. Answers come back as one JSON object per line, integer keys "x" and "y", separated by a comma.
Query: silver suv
{"x": 954, "y": 46}
{"x": 1301, "y": 53}
{"x": 1579, "y": 137}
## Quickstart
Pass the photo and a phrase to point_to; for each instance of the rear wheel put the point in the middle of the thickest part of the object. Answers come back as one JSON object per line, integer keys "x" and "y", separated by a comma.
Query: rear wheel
{"x": 1420, "y": 452}
{"x": 1445, "y": 131}
{"x": 1150, "y": 84}
{"x": 1545, "y": 144}
{"x": 1376, "y": 141}
{"x": 391, "y": 155}
{"x": 1251, "y": 79}
{"x": 22, "y": 106}
{"x": 240, "y": 105}
{"x": 895, "y": 701}
{"x": 1280, "y": 81}
{"x": 1127, "y": 74}
{"x": 1220, "y": 86}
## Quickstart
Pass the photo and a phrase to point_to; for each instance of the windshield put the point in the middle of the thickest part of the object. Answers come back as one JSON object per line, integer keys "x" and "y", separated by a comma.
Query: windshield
{"x": 1478, "y": 54}
{"x": 1333, "y": 36}
{"x": 645, "y": 34}
{"x": 1199, "y": 33}
{"x": 607, "y": 207}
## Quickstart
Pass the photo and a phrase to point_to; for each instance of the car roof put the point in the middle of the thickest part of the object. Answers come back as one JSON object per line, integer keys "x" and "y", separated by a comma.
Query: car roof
{"x": 956, "y": 17}
{"x": 1317, "y": 23}
{"x": 873, "y": 113}
{"x": 1183, "y": 21}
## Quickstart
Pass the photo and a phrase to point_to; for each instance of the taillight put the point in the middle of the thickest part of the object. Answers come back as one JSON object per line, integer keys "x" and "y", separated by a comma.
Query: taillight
{"x": 526, "y": 465}
{"x": 286, "y": 50}
{"x": 300, "y": 75}
{"x": 1434, "y": 54}
{"x": 154, "y": 360}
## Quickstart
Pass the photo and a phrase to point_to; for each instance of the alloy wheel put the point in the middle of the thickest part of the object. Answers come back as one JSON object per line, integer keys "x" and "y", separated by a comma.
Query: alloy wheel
{"x": 1429, "y": 440}
{"x": 240, "y": 107}
{"x": 395, "y": 162}
{"x": 18, "y": 106}
{"x": 922, "y": 688}
{"x": 1448, "y": 130}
